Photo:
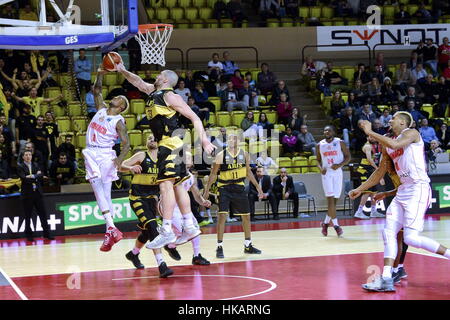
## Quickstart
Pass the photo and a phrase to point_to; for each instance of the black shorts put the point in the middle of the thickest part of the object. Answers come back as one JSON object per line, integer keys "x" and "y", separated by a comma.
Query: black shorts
{"x": 233, "y": 197}
{"x": 145, "y": 210}
{"x": 171, "y": 166}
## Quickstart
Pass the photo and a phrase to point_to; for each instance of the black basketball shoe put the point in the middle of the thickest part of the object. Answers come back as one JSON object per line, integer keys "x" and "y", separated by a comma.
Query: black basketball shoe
{"x": 164, "y": 270}
{"x": 134, "y": 258}
{"x": 173, "y": 253}
{"x": 200, "y": 261}
{"x": 251, "y": 250}
{"x": 219, "y": 252}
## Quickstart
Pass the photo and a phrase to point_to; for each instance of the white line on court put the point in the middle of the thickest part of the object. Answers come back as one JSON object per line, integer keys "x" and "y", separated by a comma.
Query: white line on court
{"x": 15, "y": 287}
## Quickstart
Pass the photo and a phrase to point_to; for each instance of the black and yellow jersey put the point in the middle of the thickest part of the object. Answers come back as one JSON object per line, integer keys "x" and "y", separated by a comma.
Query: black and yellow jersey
{"x": 393, "y": 174}
{"x": 163, "y": 120}
{"x": 144, "y": 184}
{"x": 233, "y": 169}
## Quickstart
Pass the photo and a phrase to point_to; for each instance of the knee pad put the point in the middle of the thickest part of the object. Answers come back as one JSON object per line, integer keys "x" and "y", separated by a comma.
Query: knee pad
{"x": 388, "y": 235}
{"x": 413, "y": 238}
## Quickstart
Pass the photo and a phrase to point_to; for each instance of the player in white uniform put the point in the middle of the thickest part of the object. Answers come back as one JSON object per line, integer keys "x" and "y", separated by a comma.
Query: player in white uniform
{"x": 177, "y": 224}
{"x": 407, "y": 209}
{"x": 332, "y": 155}
{"x": 100, "y": 159}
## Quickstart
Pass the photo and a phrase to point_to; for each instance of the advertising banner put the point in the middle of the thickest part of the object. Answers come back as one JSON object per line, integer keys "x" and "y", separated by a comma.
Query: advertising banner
{"x": 399, "y": 37}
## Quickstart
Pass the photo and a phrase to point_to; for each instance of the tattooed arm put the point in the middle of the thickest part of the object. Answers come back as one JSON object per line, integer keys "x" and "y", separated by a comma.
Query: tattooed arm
{"x": 123, "y": 135}
{"x": 98, "y": 97}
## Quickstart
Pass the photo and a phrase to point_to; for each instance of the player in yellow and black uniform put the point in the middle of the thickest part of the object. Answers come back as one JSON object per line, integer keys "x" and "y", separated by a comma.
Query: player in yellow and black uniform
{"x": 163, "y": 110}
{"x": 143, "y": 196}
{"x": 231, "y": 167}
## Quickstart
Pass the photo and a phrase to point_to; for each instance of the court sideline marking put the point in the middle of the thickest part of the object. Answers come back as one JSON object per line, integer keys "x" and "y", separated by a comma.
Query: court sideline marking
{"x": 15, "y": 287}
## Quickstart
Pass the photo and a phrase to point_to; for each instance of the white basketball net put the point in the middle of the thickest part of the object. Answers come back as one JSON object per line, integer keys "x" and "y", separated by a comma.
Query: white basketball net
{"x": 153, "y": 44}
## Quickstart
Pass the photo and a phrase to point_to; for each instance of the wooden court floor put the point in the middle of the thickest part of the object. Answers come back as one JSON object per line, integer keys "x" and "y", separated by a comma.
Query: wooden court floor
{"x": 297, "y": 262}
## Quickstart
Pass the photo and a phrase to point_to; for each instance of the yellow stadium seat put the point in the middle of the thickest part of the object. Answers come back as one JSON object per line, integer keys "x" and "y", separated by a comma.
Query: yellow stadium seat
{"x": 412, "y": 8}
{"x": 303, "y": 12}
{"x": 80, "y": 140}
{"x": 197, "y": 24}
{"x": 212, "y": 23}
{"x": 64, "y": 79}
{"x": 237, "y": 117}
{"x": 428, "y": 108}
{"x": 57, "y": 111}
{"x": 170, "y": 3}
{"x": 327, "y": 12}
{"x": 226, "y": 23}
{"x": 273, "y": 23}
{"x": 182, "y": 24}
{"x": 63, "y": 123}
{"x": 135, "y": 137}
{"x": 191, "y": 13}
{"x": 257, "y": 147}
{"x": 52, "y": 92}
{"x": 272, "y": 116}
{"x": 130, "y": 121}
{"x": 274, "y": 148}
{"x": 284, "y": 162}
{"x": 205, "y": 13}
{"x": 79, "y": 123}
{"x": 74, "y": 108}
{"x": 137, "y": 106}
{"x": 150, "y": 13}
{"x": 110, "y": 79}
{"x": 199, "y": 3}
{"x": 280, "y": 127}
{"x": 162, "y": 14}
{"x": 145, "y": 135}
{"x": 158, "y": 4}
{"x": 210, "y": 3}
{"x": 315, "y": 12}
{"x": 223, "y": 119}
{"x": 301, "y": 164}
{"x": 388, "y": 11}
{"x": 287, "y": 22}
{"x": 352, "y": 22}
{"x": 338, "y": 22}
{"x": 177, "y": 14}
{"x": 184, "y": 3}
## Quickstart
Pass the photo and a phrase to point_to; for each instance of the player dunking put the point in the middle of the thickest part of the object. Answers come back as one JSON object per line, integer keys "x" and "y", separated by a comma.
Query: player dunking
{"x": 332, "y": 155}
{"x": 164, "y": 109}
{"x": 100, "y": 159}
{"x": 407, "y": 209}
{"x": 143, "y": 197}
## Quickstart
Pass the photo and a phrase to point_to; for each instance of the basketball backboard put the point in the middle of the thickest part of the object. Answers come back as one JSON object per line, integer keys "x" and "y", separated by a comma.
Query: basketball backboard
{"x": 119, "y": 22}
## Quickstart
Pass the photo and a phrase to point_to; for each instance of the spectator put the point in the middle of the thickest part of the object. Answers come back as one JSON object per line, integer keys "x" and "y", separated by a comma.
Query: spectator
{"x": 388, "y": 94}
{"x": 284, "y": 109}
{"x": 62, "y": 171}
{"x": 25, "y": 127}
{"x": 427, "y": 133}
{"x": 411, "y": 95}
{"x": 377, "y": 127}
{"x": 268, "y": 9}
{"x": 266, "y": 186}
{"x": 248, "y": 95}
{"x": 90, "y": 103}
{"x": 342, "y": 8}
{"x": 202, "y": 112}
{"x": 229, "y": 66}
{"x": 27, "y": 14}
{"x": 290, "y": 142}
{"x": 428, "y": 52}
{"x": 434, "y": 150}
{"x": 34, "y": 101}
{"x": 404, "y": 78}
{"x": 283, "y": 188}
{"x": 83, "y": 68}
{"x": 443, "y": 135}
{"x": 337, "y": 104}
{"x": 189, "y": 81}
{"x": 41, "y": 140}
{"x": 446, "y": 72}
{"x": 353, "y": 102}
{"x": 419, "y": 74}
{"x": 278, "y": 90}
{"x": 362, "y": 75}
{"x": 237, "y": 79}
{"x": 385, "y": 118}
{"x": 265, "y": 124}
{"x": 38, "y": 62}
{"x": 229, "y": 99}
{"x": 236, "y": 12}
{"x": 402, "y": 16}
{"x": 249, "y": 126}
{"x": 428, "y": 88}
{"x": 68, "y": 148}
{"x": 8, "y": 137}
{"x": 266, "y": 80}
{"x": 374, "y": 91}
{"x": 251, "y": 82}
{"x": 442, "y": 96}
{"x": 348, "y": 125}
{"x": 291, "y": 8}
{"x": 201, "y": 97}
{"x": 359, "y": 91}
{"x": 52, "y": 129}
{"x": 220, "y": 10}
{"x": 9, "y": 12}
{"x": 266, "y": 162}
{"x": 335, "y": 79}
{"x": 295, "y": 121}
{"x": 4, "y": 164}
{"x": 23, "y": 85}
{"x": 121, "y": 184}
{"x": 379, "y": 60}
{"x": 307, "y": 140}
{"x": 309, "y": 69}
{"x": 322, "y": 84}
{"x": 417, "y": 116}
{"x": 148, "y": 77}
{"x": 5, "y": 147}
{"x": 367, "y": 113}
{"x": 378, "y": 73}
{"x": 443, "y": 53}
{"x": 221, "y": 140}
{"x": 215, "y": 67}
{"x": 184, "y": 92}
{"x": 423, "y": 15}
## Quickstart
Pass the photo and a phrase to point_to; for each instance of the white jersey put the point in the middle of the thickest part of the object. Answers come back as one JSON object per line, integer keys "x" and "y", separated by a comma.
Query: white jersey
{"x": 102, "y": 131}
{"x": 331, "y": 153}
{"x": 410, "y": 162}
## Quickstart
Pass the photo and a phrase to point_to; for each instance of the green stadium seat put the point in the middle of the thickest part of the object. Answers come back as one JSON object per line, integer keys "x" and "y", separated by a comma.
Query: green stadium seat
{"x": 63, "y": 123}
{"x": 284, "y": 162}
{"x": 301, "y": 164}
{"x": 303, "y": 12}
{"x": 162, "y": 14}
{"x": 205, "y": 13}
{"x": 273, "y": 23}
{"x": 130, "y": 121}
{"x": 79, "y": 123}
{"x": 182, "y": 24}
{"x": 135, "y": 137}
{"x": 257, "y": 147}
{"x": 177, "y": 14}
{"x": 191, "y": 13}
{"x": 352, "y": 22}
{"x": 347, "y": 72}
{"x": 137, "y": 106}
{"x": 237, "y": 117}
{"x": 327, "y": 12}
{"x": 223, "y": 119}
{"x": 212, "y": 23}
{"x": 412, "y": 8}
{"x": 313, "y": 162}
{"x": 197, "y": 24}
{"x": 428, "y": 108}
{"x": 80, "y": 140}
{"x": 272, "y": 116}
{"x": 315, "y": 11}
{"x": 226, "y": 23}
{"x": 184, "y": 3}
{"x": 52, "y": 92}
{"x": 110, "y": 79}
{"x": 150, "y": 13}
{"x": 199, "y": 3}
{"x": 287, "y": 22}
{"x": 74, "y": 108}
{"x": 327, "y": 23}
{"x": 170, "y": 4}
{"x": 388, "y": 11}
{"x": 210, "y": 3}
{"x": 338, "y": 22}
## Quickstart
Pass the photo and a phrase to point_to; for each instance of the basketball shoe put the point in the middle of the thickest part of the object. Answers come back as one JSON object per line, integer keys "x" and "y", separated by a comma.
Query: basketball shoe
{"x": 188, "y": 234}
{"x": 380, "y": 284}
{"x": 200, "y": 261}
{"x": 360, "y": 215}
{"x": 219, "y": 252}
{"x": 134, "y": 258}
{"x": 324, "y": 229}
{"x": 375, "y": 214}
{"x": 112, "y": 236}
{"x": 251, "y": 250}
{"x": 173, "y": 253}
{"x": 399, "y": 275}
{"x": 164, "y": 270}
{"x": 162, "y": 239}
{"x": 339, "y": 230}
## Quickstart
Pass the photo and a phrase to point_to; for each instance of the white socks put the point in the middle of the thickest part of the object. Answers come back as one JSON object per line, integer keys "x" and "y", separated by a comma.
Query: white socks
{"x": 335, "y": 222}
{"x": 136, "y": 250}
{"x": 109, "y": 220}
{"x": 387, "y": 272}
{"x": 219, "y": 243}
{"x": 327, "y": 219}
{"x": 247, "y": 242}
{"x": 167, "y": 225}
{"x": 196, "y": 246}
{"x": 159, "y": 258}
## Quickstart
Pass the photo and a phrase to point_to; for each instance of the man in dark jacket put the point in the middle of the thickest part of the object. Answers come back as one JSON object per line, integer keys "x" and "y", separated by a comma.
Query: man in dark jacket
{"x": 283, "y": 188}
{"x": 31, "y": 190}
{"x": 266, "y": 186}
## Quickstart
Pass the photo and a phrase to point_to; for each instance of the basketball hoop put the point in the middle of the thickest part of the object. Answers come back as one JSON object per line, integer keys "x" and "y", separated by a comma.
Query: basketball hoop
{"x": 153, "y": 39}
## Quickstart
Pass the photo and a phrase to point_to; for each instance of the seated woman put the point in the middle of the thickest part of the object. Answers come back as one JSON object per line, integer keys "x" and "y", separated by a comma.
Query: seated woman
{"x": 290, "y": 142}
{"x": 295, "y": 121}
{"x": 337, "y": 104}
{"x": 284, "y": 109}
{"x": 250, "y": 128}
{"x": 237, "y": 79}
{"x": 265, "y": 124}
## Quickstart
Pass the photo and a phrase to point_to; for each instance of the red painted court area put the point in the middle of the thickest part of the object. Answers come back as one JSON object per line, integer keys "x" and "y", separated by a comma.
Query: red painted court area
{"x": 329, "y": 277}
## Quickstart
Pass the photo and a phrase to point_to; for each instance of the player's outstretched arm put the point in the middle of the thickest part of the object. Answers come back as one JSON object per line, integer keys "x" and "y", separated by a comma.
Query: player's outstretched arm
{"x": 135, "y": 80}
{"x": 133, "y": 164}
{"x": 98, "y": 97}
{"x": 178, "y": 104}
{"x": 213, "y": 175}
{"x": 408, "y": 137}
{"x": 123, "y": 135}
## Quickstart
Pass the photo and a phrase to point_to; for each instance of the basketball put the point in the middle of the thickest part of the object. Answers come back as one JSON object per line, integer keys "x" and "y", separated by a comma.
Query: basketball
{"x": 110, "y": 61}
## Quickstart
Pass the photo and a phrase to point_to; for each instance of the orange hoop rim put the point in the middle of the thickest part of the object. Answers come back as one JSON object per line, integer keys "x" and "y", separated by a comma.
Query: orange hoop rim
{"x": 145, "y": 28}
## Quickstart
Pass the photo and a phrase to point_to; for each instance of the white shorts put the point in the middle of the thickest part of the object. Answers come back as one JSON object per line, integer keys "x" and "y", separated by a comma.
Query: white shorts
{"x": 332, "y": 183}
{"x": 409, "y": 205}
{"x": 99, "y": 163}
{"x": 177, "y": 221}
